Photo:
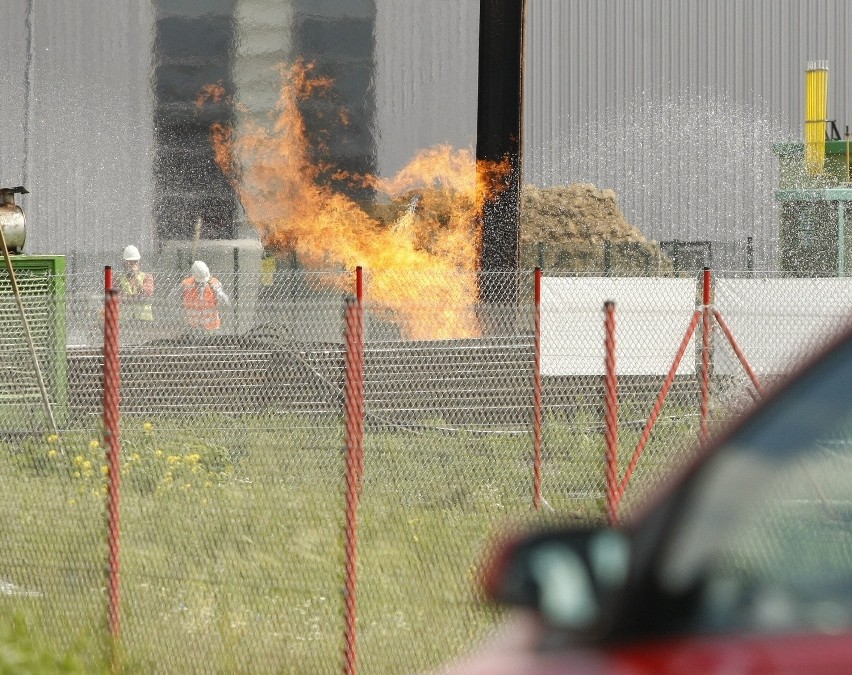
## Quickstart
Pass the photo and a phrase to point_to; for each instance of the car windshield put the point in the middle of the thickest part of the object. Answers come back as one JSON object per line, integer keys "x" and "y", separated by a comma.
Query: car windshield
{"x": 765, "y": 536}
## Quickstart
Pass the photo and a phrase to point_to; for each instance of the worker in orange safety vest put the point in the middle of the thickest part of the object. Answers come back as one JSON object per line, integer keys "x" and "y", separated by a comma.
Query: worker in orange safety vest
{"x": 135, "y": 289}
{"x": 202, "y": 294}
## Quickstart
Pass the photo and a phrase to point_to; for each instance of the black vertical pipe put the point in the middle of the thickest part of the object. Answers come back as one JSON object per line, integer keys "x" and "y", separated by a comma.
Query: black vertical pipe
{"x": 498, "y": 134}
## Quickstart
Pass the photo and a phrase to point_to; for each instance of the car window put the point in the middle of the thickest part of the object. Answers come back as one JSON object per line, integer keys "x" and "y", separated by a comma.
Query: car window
{"x": 766, "y": 538}
{"x": 787, "y": 563}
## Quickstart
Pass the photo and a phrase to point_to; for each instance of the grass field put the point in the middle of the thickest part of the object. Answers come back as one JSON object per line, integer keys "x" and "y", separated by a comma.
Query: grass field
{"x": 232, "y": 537}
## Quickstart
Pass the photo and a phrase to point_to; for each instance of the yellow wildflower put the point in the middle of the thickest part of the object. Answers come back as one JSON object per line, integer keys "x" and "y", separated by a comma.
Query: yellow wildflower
{"x": 79, "y": 459}
{"x": 173, "y": 459}
{"x": 104, "y": 469}
{"x": 158, "y": 453}
{"x": 147, "y": 427}
{"x": 51, "y": 453}
{"x": 52, "y": 438}
{"x": 94, "y": 444}
{"x": 134, "y": 457}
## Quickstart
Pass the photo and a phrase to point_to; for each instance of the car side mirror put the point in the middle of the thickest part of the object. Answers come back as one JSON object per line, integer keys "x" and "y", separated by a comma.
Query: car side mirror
{"x": 571, "y": 578}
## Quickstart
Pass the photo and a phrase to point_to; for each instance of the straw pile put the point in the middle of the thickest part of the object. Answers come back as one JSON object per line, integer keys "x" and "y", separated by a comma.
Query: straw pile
{"x": 566, "y": 227}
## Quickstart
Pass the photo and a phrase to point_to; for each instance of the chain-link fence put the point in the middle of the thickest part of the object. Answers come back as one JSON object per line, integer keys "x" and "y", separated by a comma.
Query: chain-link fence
{"x": 633, "y": 258}
{"x": 234, "y": 550}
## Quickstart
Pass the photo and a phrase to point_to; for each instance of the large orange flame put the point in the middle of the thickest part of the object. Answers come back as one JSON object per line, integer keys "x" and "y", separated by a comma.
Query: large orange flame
{"x": 420, "y": 259}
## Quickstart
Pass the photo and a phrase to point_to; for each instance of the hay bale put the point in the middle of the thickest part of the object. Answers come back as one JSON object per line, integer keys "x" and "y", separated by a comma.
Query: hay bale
{"x": 566, "y": 227}
{"x": 563, "y": 227}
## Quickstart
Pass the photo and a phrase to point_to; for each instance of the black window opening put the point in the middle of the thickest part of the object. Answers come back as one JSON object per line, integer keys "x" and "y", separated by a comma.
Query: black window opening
{"x": 194, "y": 47}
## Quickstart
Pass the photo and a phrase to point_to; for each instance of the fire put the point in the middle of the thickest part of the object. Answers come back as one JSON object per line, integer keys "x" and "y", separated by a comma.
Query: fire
{"x": 419, "y": 248}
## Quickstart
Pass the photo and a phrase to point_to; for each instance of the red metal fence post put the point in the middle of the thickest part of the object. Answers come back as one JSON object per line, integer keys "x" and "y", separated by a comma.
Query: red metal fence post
{"x": 611, "y": 414}
{"x": 658, "y": 404}
{"x": 107, "y": 278}
{"x": 111, "y": 392}
{"x": 354, "y": 414}
{"x": 359, "y": 370}
{"x": 537, "y": 391}
{"x": 705, "y": 355}
{"x": 738, "y": 351}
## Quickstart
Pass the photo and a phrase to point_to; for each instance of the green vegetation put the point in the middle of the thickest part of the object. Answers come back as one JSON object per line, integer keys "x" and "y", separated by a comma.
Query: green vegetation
{"x": 21, "y": 654}
{"x": 232, "y": 538}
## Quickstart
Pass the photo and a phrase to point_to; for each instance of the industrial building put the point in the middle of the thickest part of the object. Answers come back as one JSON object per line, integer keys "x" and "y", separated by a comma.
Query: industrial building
{"x": 675, "y": 106}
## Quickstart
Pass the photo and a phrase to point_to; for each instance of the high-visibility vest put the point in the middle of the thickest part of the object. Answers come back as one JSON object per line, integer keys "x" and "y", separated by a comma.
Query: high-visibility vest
{"x": 136, "y": 309}
{"x": 201, "y": 307}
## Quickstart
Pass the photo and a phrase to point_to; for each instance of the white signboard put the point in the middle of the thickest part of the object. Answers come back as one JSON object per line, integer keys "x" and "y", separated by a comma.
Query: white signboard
{"x": 651, "y": 317}
{"x": 777, "y": 322}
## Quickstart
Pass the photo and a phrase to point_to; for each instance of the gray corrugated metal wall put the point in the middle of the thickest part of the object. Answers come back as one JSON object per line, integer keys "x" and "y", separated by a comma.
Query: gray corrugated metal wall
{"x": 77, "y": 124}
{"x": 426, "y": 77}
{"x": 675, "y": 105}
{"x": 13, "y": 79}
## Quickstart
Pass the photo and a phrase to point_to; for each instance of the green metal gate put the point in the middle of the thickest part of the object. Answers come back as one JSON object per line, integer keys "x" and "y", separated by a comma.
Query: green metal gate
{"x": 41, "y": 282}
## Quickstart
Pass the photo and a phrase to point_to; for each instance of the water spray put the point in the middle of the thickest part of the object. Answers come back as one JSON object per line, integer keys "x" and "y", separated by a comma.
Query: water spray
{"x": 815, "y": 195}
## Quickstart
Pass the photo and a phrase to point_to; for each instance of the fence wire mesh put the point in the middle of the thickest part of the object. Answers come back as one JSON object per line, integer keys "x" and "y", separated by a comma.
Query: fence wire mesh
{"x": 233, "y": 462}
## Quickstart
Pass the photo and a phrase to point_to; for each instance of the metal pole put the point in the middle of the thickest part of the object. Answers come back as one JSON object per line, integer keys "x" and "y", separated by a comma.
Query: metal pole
{"x": 537, "y": 391}
{"x": 611, "y": 415}
{"x": 738, "y": 351}
{"x": 354, "y": 413}
{"x": 841, "y": 238}
{"x": 750, "y": 255}
{"x": 658, "y": 405}
{"x": 499, "y": 151}
{"x": 14, "y": 282}
{"x": 359, "y": 335}
{"x": 111, "y": 393}
{"x": 236, "y": 290}
{"x": 705, "y": 355}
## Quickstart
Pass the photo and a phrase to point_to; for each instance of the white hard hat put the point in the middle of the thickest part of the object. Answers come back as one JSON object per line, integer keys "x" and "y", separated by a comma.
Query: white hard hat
{"x": 131, "y": 253}
{"x": 200, "y": 271}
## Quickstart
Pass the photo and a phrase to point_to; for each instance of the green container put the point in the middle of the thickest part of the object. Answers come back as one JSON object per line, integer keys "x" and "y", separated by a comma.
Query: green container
{"x": 41, "y": 283}
{"x": 815, "y": 211}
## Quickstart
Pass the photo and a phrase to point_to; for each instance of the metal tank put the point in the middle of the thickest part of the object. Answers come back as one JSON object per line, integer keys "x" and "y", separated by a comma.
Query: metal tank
{"x": 12, "y": 220}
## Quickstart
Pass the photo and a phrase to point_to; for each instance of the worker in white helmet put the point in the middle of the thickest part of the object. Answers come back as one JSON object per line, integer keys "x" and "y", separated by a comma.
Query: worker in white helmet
{"x": 202, "y": 295}
{"x": 135, "y": 289}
